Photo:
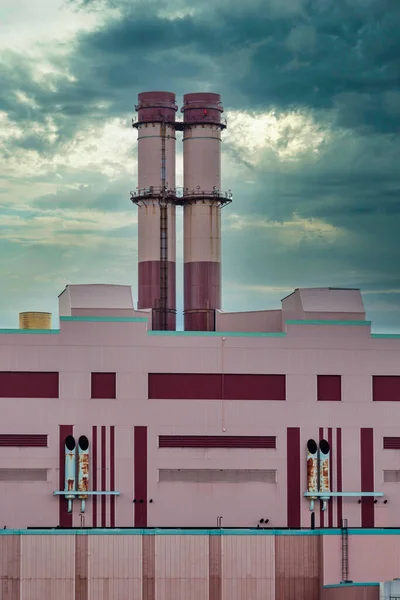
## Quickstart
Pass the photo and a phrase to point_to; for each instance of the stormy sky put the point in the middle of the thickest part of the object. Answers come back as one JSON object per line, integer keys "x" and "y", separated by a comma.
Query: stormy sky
{"x": 311, "y": 90}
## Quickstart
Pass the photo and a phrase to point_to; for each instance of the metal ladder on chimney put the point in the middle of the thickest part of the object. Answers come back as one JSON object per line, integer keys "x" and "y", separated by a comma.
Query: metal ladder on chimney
{"x": 163, "y": 325}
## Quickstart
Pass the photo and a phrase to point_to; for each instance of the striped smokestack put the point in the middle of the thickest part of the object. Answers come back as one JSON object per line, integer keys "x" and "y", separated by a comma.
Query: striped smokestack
{"x": 202, "y": 199}
{"x": 155, "y": 198}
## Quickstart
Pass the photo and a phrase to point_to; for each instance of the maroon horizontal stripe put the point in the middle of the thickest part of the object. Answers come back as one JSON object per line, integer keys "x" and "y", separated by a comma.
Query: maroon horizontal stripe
{"x": 104, "y": 385}
{"x": 216, "y": 441}
{"x": 254, "y": 387}
{"x": 212, "y": 386}
{"x": 185, "y": 386}
{"x": 28, "y": 384}
{"x": 386, "y": 388}
{"x": 29, "y": 440}
{"x": 329, "y": 388}
{"x": 391, "y": 443}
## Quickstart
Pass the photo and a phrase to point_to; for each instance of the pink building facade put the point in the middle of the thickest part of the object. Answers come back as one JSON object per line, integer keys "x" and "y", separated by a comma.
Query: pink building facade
{"x": 202, "y": 434}
{"x": 177, "y": 420}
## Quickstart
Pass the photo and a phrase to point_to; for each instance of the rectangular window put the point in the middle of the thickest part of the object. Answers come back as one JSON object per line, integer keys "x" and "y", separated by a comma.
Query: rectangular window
{"x": 386, "y": 388}
{"x": 185, "y": 386}
{"x": 329, "y": 388}
{"x": 391, "y": 476}
{"x": 215, "y": 386}
{"x": 391, "y": 443}
{"x": 21, "y": 475}
{"x": 28, "y": 384}
{"x": 216, "y": 441}
{"x": 104, "y": 386}
{"x": 29, "y": 440}
{"x": 254, "y": 387}
{"x": 217, "y": 475}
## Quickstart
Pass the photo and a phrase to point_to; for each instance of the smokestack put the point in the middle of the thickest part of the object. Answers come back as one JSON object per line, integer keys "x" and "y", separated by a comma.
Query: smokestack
{"x": 202, "y": 200}
{"x": 155, "y": 198}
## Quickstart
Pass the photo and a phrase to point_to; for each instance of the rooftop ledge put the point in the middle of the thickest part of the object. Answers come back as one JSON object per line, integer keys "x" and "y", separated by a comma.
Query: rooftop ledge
{"x": 261, "y": 334}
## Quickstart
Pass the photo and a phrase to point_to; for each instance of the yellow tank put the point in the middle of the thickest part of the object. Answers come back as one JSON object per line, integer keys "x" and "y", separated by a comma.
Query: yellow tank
{"x": 35, "y": 320}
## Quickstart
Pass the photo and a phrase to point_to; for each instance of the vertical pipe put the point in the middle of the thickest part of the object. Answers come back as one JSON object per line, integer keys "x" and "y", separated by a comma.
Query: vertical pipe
{"x": 70, "y": 469}
{"x": 155, "y": 197}
{"x": 83, "y": 469}
{"x": 339, "y": 474}
{"x": 112, "y": 475}
{"x": 312, "y": 471}
{"x": 324, "y": 471}
{"x": 203, "y": 200}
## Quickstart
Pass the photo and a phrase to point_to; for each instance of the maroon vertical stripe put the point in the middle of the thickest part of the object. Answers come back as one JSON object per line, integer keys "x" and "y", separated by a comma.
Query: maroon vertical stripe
{"x": 140, "y": 476}
{"x": 103, "y": 475}
{"x": 293, "y": 477}
{"x": 321, "y": 512}
{"x": 112, "y": 475}
{"x": 330, "y": 502}
{"x": 94, "y": 477}
{"x": 367, "y": 476}
{"x": 339, "y": 476}
{"x": 65, "y": 518}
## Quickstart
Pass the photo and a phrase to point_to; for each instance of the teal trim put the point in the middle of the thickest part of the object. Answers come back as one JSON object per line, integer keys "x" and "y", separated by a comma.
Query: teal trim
{"x": 215, "y": 531}
{"x": 199, "y": 137}
{"x": 105, "y": 319}
{"x": 356, "y": 584}
{"x": 279, "y": 334}
{"x": 386, "y": 336}
{"x": 341, "y": 323}
{"x": 31, "y": 331}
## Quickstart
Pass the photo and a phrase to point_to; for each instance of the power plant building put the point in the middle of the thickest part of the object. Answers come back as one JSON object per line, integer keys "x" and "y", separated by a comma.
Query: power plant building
{"x": 255, "y": 455}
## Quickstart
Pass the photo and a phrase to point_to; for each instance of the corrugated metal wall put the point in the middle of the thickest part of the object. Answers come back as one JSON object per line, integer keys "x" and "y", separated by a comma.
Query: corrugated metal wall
{"x": 158, "y": 566}
{"x": 297, "y": 560}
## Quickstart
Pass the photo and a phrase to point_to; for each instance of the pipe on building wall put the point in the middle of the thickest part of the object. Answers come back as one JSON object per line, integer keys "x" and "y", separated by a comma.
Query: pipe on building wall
{"x": 83, "y": 470}
{"x": 155, "y": 198}
{"x": 312, "y": 471}
{"x": 324, "y": 472}
{"x": 202, "y": 201}
{"x": 70, "y": 469}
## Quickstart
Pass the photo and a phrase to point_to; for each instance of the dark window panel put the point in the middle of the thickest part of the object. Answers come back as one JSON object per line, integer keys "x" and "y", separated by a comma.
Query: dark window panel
{"x": 216, "y": 441}
{"x": 329, "y": 388}
{"x": 185, "y": 386}
{"x": 254, "y": 387}
{"x": 28, "y": 440}
{"x": 28, "y": 384}
{"x": 386, "y": 388}
{"x": 391, "y": 443}
{"x": 104, "y": 386}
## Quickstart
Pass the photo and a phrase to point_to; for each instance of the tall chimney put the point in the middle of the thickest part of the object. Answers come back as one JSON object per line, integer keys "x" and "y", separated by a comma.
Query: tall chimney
{"x": 155, "y": 198}
{"x": 202, "y": 200}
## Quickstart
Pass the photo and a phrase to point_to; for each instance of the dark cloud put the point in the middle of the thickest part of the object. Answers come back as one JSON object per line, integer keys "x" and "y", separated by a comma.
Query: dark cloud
{"x": 337, "y": 61}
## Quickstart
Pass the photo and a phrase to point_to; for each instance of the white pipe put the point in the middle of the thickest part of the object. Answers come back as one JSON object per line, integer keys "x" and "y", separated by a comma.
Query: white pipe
{"x": 70, "y": 468}
{"x": 312, "y": 471}
{"x": 83, "y": 470}
{"x": 324, "y": 472}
